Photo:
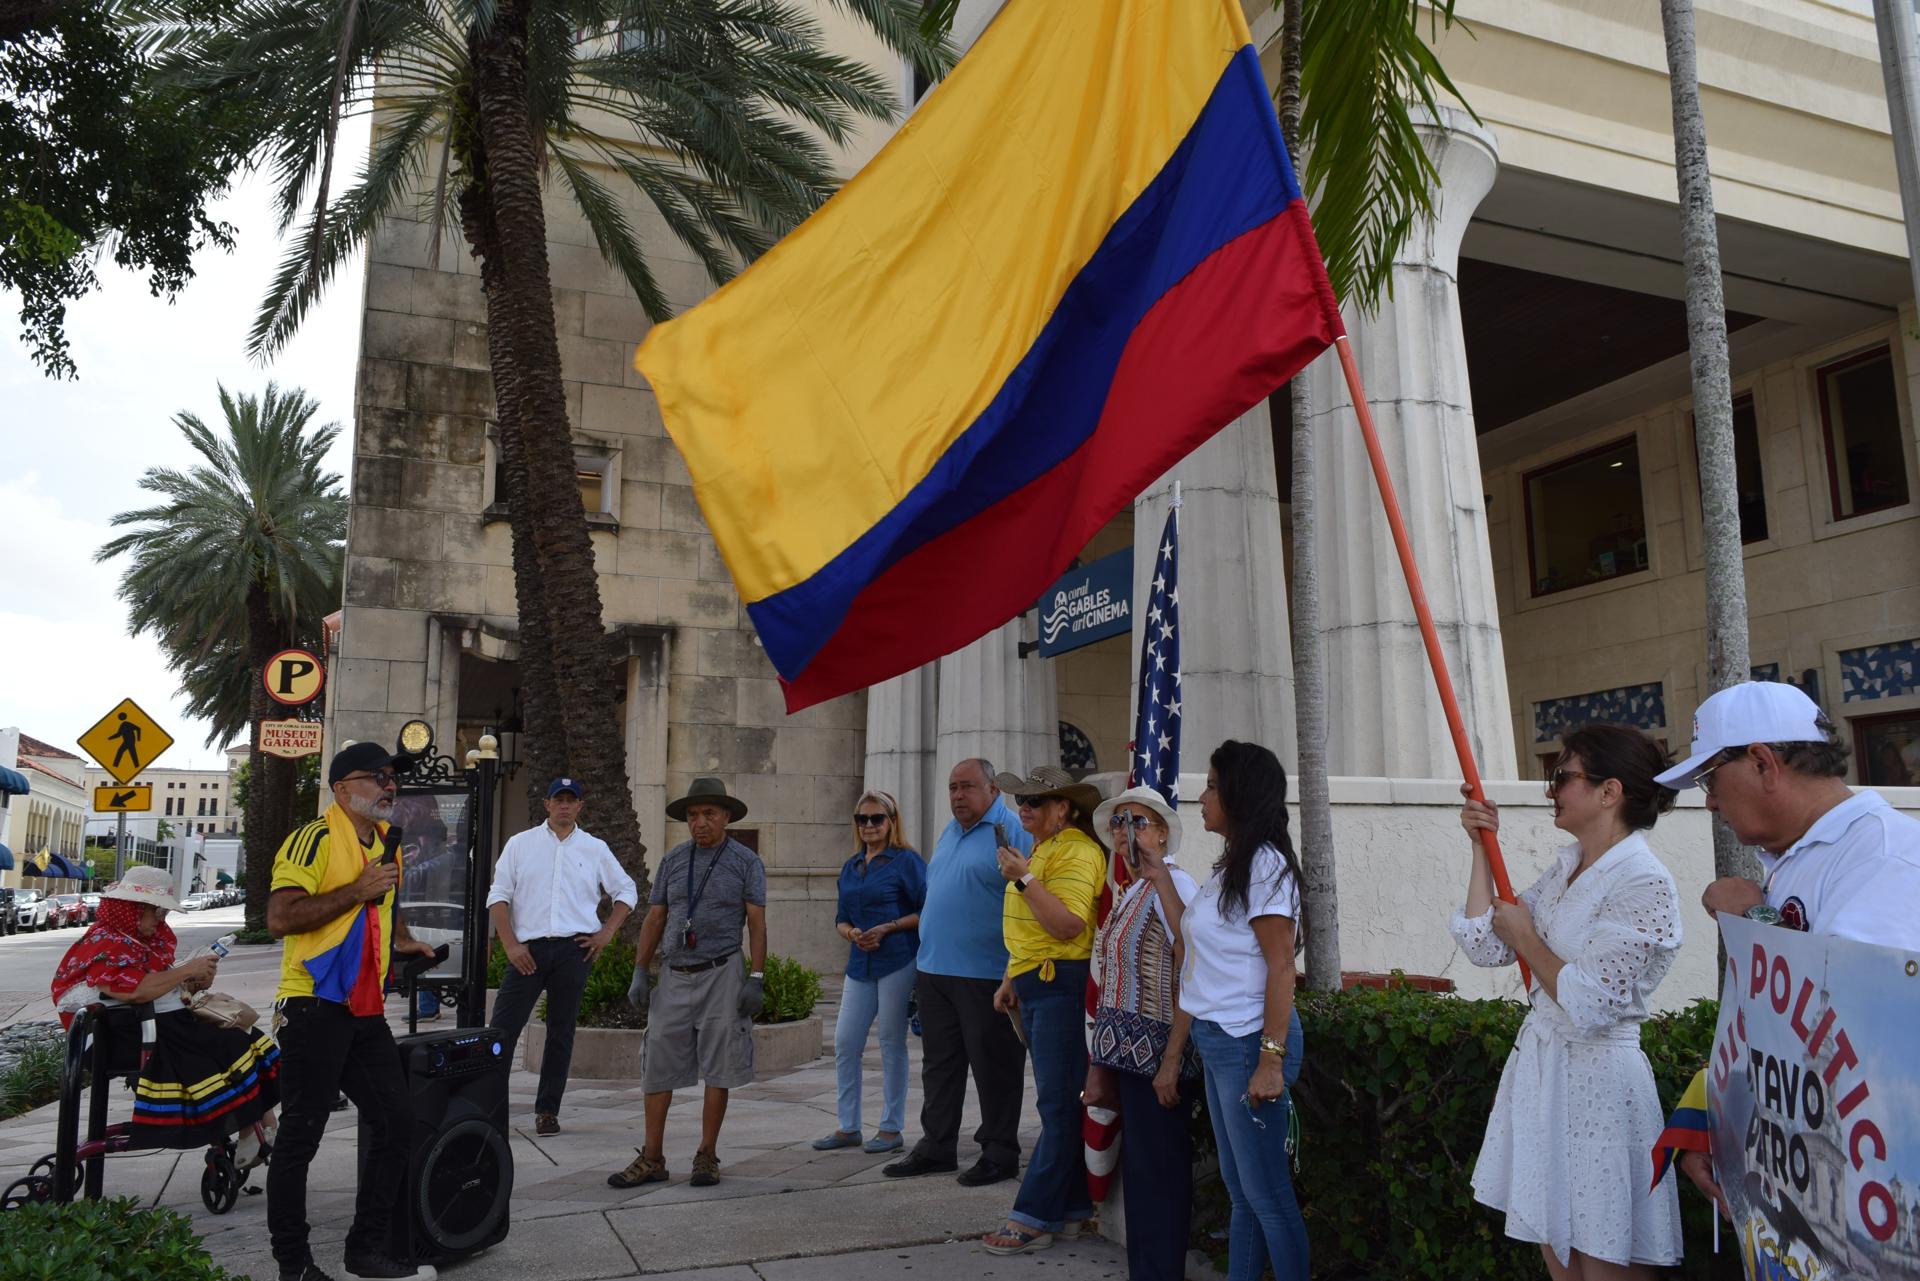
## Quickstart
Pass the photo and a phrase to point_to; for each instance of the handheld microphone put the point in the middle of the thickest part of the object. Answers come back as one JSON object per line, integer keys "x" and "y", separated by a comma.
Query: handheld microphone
{"x": 390, "y": 844}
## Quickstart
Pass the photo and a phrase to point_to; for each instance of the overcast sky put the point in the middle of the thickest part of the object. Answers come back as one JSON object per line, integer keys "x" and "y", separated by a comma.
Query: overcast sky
{"x": 72, "y": 453}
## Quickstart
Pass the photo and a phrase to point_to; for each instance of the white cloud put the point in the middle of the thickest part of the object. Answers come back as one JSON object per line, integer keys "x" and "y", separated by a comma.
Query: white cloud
{"x": 72, "y": 453}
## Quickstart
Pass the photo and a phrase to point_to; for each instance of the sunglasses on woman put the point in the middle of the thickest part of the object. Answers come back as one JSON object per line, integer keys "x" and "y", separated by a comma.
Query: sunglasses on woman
{"x": 1137, "y": 822}
{"x": 870, "y": 820}
{"x": 1558, "y": 779}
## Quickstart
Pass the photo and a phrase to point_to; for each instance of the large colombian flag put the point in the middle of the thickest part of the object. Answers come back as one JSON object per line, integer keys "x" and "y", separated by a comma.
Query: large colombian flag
{"x": 1082, "y": 256}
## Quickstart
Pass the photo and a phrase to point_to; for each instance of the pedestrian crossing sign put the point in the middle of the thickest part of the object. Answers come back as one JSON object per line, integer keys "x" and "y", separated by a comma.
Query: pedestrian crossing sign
{"x": 126, "y": 741}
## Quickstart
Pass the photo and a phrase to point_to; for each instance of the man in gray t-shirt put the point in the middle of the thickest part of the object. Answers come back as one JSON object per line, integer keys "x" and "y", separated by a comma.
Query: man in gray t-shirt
{"x": 700, "y": 1022}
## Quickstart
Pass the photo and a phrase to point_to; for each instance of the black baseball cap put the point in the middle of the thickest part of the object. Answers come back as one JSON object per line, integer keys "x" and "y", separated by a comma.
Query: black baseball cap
{"x": 355, "y": 757}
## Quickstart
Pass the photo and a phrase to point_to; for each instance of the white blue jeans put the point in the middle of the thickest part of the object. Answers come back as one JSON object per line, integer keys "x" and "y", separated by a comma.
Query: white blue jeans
{"x": 862, "y": 1001}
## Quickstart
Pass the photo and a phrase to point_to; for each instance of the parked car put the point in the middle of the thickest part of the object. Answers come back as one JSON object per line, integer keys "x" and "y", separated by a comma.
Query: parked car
{"x": 92, "y": 903}
{"x": 8, "y": 925}
{"x": 31, "y": 910}
{"x": 66, "y": 911}
{"x": 193, "y": 903}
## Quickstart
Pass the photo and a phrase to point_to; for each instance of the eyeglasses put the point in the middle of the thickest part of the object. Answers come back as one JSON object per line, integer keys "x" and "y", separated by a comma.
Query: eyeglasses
{"x": 1705, "y": 777}
{"x": 1137, "y": 822}
{"x": 1035, "y": 802}
{"x": 1558, "y": 779}
{"x": 384, "y": 777}
{"x": 870, "y": 820}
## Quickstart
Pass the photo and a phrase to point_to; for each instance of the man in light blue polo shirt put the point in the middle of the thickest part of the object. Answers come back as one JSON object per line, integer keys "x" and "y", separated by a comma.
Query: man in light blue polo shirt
{"x": 962, "y": 960}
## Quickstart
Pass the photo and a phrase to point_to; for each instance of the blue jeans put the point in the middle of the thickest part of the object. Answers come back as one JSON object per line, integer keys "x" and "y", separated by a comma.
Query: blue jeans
{"x": 1252, "y": 1142}
{"x": 861, "y": 1000}
{"x": 1054, "y": 1017}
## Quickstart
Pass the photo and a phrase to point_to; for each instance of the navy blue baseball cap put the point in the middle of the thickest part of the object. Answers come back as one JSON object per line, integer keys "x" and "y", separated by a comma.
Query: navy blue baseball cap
{"x": 560, "y": 785}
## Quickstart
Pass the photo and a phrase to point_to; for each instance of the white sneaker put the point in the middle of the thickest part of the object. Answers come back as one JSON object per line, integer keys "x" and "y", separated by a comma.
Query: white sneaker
{"x": 377, "y": 1267}
{"x": 246, "y": 1153}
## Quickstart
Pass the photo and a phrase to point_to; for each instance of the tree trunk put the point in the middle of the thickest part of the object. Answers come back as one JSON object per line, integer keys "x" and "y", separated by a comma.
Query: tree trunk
{"x": 543, "y": 747}
{"x": 270, "y": 778}
{"x": 521, "y": 320}
{"x": 1900, "y": 68}
{"x": 1728, "y": 662}
{"x": 1320, "y": 893}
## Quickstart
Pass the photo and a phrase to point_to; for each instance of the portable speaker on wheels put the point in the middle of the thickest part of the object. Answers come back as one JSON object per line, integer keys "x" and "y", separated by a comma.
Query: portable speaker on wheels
{"x": 459, "y": 1168}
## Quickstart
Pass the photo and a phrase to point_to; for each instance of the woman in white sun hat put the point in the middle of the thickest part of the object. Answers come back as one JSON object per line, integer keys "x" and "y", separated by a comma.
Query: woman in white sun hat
{"x": 1142, "y": 1064}
{"x": 202, "y": 1082}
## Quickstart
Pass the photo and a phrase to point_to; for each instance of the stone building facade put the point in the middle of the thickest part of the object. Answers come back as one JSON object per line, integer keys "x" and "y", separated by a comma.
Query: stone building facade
{"x": 1529, "y": 375}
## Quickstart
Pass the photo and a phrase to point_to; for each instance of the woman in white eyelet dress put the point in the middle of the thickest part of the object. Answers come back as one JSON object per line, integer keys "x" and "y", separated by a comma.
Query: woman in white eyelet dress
{"x": 1567, "y": 1149}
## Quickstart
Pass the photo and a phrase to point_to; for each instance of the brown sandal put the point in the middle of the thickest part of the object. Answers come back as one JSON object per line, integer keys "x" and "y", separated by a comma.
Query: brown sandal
{"x": 706, "y": 1169}
{"x": 642, "y": 1169}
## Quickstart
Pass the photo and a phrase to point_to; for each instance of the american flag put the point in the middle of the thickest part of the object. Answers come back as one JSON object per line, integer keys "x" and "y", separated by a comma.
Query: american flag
{"x": 1156, "y": 725}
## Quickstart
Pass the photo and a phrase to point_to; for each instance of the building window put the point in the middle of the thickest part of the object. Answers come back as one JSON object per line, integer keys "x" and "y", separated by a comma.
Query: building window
{"x": 1887, "y": 749}
{"x": 595, "y": 491}
{"x": 1586, "y": 522}
{"x": 1860, "y": 416}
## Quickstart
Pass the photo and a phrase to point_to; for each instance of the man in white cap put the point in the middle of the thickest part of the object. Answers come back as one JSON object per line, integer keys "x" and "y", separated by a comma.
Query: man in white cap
{"x": 545, "y": 907}
{"x": 1836, "y": 861}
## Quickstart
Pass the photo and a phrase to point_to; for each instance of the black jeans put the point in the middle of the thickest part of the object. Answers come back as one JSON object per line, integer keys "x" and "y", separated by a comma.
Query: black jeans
{"x": 324, "y": 1050}
{"x": 560, "y": 970}
{"x": 960, "y": 1029}
{"x": 1156, "y": 1169}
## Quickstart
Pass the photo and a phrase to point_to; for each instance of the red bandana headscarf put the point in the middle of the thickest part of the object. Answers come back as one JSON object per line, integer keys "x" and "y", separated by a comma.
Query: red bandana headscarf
{"x": 111, "y": 956}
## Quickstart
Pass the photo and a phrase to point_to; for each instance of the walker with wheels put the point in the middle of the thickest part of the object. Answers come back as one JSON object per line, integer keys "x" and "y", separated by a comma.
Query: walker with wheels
{"x": 114, "y": 1041}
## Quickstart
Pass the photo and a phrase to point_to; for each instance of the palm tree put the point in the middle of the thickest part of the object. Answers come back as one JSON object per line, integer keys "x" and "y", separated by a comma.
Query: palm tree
{"x": 1728, "y": 661}
{"x": 239, "y": 558}
{"x": 720, "y": 114}
{"x": 1350, "y": 73}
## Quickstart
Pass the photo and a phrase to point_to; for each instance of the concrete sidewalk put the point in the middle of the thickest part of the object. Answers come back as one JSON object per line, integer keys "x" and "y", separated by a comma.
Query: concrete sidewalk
{"x": 781, "y": 1212}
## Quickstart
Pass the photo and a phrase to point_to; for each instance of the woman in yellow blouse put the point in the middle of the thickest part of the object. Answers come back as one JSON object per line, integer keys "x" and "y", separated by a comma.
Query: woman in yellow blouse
{"x": 1047, "y": 922}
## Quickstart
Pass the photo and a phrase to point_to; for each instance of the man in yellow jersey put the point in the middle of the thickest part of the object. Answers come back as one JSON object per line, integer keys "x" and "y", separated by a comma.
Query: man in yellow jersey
{"x": 332, "y": 904}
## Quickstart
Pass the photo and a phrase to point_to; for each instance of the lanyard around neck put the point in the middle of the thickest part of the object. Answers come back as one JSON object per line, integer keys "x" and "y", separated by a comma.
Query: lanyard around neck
{"x": 693, "y": 895}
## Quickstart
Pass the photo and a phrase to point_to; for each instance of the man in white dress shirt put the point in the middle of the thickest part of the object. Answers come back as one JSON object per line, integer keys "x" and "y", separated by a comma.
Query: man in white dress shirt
{"x": 1836, "y": 861}
{"x": 545, "y": 909}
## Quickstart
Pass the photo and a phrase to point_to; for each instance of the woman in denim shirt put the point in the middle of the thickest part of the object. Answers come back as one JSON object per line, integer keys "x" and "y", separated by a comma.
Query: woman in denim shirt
{"x": 882, "y": 889}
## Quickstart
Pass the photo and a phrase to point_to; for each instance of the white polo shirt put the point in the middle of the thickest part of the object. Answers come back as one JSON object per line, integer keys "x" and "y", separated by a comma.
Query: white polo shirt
{"x": 553, "y": 886}
{"x": 1855, "y": 874}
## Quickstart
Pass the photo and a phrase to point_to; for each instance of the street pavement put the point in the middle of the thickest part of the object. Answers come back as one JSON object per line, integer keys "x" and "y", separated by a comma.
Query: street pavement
{"x": 781, "y": 1211}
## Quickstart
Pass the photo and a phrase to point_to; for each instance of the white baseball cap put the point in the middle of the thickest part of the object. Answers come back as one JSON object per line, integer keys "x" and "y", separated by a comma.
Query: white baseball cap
{"x": 1750, "y": 712}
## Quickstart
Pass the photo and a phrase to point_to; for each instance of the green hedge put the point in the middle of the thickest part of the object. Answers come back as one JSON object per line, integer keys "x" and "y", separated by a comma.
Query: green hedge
{"x": 102, "y": 1241}
{"x": 32, "y": 1079}
{"x": 1393, "y": 1100}
{"x": 792, "y": 989}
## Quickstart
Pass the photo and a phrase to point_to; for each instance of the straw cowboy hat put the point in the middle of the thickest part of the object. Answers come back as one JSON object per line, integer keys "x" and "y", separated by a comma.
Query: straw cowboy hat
{"x": 1146, "y": 798}
{"x": 1047, "y": 780}
{"x": 146, "y": 885}
{"x": 707, "y": 791}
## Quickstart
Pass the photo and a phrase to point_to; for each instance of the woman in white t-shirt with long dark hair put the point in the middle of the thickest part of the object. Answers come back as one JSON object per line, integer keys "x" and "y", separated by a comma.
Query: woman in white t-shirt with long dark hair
{"x": 1242, "y": 931}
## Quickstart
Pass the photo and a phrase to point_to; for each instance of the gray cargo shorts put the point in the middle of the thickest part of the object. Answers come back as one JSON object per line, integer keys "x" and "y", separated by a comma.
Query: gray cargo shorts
{"x": 695, "y": 1031}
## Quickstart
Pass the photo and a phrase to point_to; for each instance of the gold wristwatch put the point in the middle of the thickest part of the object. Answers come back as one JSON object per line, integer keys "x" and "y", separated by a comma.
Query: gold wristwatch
{"x": 1270, "y": 1046}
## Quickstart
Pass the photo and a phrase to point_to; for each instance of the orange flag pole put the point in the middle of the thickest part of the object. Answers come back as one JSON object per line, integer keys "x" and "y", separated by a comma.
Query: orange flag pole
{"x": 1435, "y": 658}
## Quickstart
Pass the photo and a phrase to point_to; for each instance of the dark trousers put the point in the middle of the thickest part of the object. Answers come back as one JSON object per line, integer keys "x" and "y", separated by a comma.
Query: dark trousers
{"x": 960, "y": 1030}
{"x": 1156, "y": 1175}
{"x": 560, "y": 970}
{"x": 324, "y": 1050}
{"x": 1053, "y": 1012}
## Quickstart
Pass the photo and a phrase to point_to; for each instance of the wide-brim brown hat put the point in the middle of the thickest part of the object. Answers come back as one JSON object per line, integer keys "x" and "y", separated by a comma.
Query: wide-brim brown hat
{"x": 1046, "y": 781}
{"x": 706, "y": 791}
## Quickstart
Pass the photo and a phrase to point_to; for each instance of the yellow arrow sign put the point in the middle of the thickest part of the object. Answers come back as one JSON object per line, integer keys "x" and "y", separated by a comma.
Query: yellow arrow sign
{"x": 126, "y": 741}
{"x": 123, "y": 800}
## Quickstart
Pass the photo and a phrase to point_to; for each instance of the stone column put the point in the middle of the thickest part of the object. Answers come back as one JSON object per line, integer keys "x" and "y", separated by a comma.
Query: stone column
{"x": 1386, "y": 718}
{"x": 1236, "y": 663}
{"x": 901, "y": 731}
{"x": 995, "y": 704}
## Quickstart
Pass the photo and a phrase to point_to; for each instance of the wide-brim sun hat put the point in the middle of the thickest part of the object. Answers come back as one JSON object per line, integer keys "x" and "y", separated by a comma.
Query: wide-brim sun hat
{"x": 1046, "y": 781}
{"x": 706, "y": 790}
{"x": 145, "y": 885}
{"x": 1146, "y": 798}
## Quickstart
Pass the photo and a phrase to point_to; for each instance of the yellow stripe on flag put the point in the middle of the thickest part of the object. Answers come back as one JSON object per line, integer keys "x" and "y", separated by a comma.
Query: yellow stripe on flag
{"x": 824, "y": 383}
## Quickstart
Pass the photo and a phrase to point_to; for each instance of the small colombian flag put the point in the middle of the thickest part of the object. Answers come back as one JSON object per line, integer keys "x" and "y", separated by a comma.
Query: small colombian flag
{"x": 1689, "y": 1129}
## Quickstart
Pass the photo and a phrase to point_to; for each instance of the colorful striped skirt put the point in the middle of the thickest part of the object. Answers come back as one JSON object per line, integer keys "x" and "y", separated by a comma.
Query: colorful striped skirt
{"x": 202, "y": 1082}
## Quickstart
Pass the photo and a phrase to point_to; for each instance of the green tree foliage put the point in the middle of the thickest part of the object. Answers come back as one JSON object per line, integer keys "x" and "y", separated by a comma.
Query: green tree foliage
{"x": 96, "y": 159}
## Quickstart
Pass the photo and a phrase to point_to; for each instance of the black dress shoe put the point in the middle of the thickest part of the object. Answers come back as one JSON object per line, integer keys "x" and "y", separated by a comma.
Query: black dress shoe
{"x": 983, "y": 1172}
{"x": 913, "y": 1163}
